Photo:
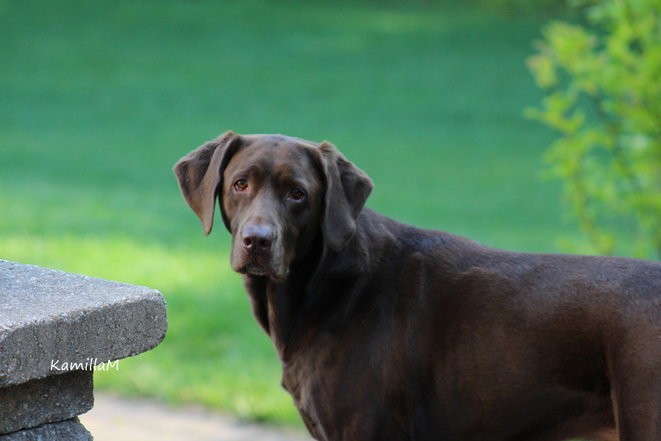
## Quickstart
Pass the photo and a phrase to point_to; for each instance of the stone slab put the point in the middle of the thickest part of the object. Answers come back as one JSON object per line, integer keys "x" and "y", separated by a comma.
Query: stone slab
{"x": 46, "y": 400}
{"x": 70, "y": 430}
{"x": 48, "y": 315}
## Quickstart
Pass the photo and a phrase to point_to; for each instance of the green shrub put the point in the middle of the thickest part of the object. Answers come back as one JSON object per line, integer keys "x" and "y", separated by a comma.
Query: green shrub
{"x": 603, "y": 96}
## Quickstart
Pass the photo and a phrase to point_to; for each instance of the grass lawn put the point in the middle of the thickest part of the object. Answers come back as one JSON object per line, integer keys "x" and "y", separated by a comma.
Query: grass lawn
{"x": 99, "y": 99}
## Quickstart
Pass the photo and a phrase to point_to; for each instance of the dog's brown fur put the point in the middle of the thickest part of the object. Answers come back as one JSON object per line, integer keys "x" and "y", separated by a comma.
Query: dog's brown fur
{"x": 389, "y": 332}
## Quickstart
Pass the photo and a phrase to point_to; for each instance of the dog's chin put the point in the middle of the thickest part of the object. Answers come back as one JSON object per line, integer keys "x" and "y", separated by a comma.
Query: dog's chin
{"x": 258, "y": 270}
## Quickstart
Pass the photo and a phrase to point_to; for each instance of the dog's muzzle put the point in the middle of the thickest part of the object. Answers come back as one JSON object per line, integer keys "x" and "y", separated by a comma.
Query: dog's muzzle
{"x": 256, "y": 252}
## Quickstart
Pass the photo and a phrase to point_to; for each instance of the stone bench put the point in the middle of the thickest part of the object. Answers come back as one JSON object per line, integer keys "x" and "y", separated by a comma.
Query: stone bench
{"x": 56, "y": 329}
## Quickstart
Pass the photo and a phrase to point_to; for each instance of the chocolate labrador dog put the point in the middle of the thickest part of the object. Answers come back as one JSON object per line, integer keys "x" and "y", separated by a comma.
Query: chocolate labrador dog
{"x": 390, "y": 332}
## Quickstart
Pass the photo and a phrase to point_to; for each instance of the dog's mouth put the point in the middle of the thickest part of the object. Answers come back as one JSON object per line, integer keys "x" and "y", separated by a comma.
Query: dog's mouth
{"x": 256, "y": 268}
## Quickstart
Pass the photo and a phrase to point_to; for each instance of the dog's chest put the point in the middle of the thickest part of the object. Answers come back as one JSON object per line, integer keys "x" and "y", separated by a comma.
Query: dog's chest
{"x": 315, "y": 374}
{"x": 344, "y": 391}
{"x": 312, "y": 381}
{"x": 328, "y": 404}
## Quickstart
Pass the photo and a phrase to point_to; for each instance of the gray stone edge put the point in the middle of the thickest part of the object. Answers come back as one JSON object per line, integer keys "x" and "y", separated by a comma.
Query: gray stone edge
{"x": 88, "y": 337}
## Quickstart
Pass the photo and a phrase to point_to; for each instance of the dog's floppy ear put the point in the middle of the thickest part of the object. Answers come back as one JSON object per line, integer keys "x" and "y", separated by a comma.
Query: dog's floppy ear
{"x": 200, "y": 173}
{"x": 347, "y": 189}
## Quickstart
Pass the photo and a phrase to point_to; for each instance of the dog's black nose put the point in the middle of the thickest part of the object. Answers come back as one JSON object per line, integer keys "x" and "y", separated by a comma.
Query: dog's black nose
{"x": 257, "y": 238}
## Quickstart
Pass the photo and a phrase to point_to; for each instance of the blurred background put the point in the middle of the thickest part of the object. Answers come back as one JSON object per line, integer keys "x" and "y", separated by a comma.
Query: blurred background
{"x": 99, "y": 99}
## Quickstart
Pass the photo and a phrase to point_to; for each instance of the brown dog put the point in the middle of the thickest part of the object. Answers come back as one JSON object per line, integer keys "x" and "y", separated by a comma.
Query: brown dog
{"x": 389, "y": 332}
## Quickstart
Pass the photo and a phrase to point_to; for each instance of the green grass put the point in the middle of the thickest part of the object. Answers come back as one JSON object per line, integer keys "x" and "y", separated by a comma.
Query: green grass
{"x": 99, "y": 99}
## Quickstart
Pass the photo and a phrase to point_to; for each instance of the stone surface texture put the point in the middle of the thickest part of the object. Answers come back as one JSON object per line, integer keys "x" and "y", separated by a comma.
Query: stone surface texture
{"x": 45, "y": 400}
{"x": 69, "y": 430}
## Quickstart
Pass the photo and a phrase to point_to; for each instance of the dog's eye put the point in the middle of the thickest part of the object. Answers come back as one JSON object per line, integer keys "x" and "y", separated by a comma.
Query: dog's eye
{"x": 297, "y": 194}
{"x": 241, "y": 184}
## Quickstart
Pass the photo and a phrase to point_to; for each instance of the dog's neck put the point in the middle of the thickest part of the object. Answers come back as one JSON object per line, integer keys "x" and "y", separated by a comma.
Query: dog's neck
{"x": 285, "y": 309}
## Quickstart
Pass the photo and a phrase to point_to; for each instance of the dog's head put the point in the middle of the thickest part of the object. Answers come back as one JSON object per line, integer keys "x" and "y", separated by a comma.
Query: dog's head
{"x": 276, "y": 195}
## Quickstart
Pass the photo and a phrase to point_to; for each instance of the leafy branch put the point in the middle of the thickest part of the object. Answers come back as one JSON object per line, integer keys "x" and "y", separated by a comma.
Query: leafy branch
{"x": 603, "y": 97}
